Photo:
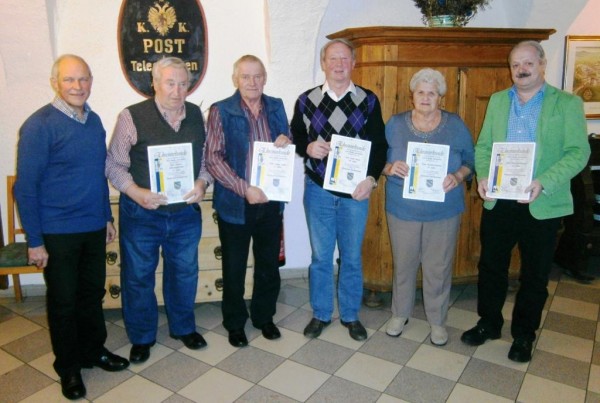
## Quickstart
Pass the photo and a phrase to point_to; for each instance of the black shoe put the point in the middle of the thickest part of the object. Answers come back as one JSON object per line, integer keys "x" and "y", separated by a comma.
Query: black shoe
{"x": 72, "y": 386}
{"x": 520, "y": 351}
{"x": 579, "y": 276}
{"x": 237, "y": 338}
{"x": 356, "y": 329}
{"x": 270, "y": 331}
{"x": 140, "y": 353}
{"x": 478, "y": 335}
{"x": 108, "y": 362}
{"x": 193, "y": 341}
{"x": 315, "y": 327}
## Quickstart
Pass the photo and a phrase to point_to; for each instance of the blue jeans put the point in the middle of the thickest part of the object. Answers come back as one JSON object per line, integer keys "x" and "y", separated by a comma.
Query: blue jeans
{"x": 334, "y": 219}
{"x": 143, "y": 234}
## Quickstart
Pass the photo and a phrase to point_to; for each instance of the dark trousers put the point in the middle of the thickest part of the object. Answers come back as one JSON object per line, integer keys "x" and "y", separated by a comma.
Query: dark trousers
{"x": 262, "y": 226}
{"x": 75, "y": 278}
{"x": 507, "y": 224}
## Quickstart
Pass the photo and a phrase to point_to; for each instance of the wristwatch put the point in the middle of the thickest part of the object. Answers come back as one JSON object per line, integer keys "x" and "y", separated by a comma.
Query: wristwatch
{"x": 373, "y": 181}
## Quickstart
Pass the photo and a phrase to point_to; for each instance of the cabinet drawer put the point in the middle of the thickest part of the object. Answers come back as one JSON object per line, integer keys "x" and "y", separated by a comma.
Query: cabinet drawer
{"x": 210, "y": 285}
{"x": 209, "y": 220}
{"x": 209, "y": 254}
{"x": 209, "y": 261}
{"x": 113, "y": 258}
{"x": 210, "y": 288}
{"x": 112, "y": 299}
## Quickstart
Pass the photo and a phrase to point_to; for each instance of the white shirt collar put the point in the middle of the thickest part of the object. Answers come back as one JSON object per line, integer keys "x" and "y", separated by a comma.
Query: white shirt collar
{"x": 327, "y": 90}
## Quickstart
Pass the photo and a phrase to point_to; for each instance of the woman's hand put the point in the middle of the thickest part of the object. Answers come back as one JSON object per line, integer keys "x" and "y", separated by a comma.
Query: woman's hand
{"x": 396, "y": 168}
{"x": 451, "y": 181}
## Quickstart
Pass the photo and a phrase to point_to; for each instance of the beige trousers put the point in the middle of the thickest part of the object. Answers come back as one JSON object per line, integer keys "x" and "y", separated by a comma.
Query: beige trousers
{"x": 430, "y": 245}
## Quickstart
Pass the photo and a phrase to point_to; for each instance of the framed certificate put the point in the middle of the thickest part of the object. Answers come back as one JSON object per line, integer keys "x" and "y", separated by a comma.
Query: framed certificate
{"x": 511, "y": 170}
{"x": 273, "y": 170}
{"x": 347, "y": 163}
{"x": 427, "y": 168}
{"x": 171, "y": 170}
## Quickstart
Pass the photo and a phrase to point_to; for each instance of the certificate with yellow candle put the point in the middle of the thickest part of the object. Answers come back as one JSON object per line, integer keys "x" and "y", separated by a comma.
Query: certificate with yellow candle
{"x": 347, "y": 163}
{"x": 273, "y": 170}
{"x": 511, "y": 170}
{"x": 171, "y": 170}
{"x": 427, "y": 168}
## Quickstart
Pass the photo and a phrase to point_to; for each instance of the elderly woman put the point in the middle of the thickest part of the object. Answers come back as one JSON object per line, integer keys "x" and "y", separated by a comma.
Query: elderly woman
{"x": 425, "y": 232}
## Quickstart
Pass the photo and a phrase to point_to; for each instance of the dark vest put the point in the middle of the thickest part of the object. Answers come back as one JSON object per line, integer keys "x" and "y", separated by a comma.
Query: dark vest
{"x": 153, "y": 130}
{"x": 236, "y": 129}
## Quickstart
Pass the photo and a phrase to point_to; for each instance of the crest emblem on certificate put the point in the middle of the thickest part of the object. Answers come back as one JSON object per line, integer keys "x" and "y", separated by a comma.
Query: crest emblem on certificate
{"x": 150, "y": 30}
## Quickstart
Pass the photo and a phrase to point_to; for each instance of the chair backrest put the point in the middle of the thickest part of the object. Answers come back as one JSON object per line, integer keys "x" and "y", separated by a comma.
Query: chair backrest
{"x": 13, "y": 227}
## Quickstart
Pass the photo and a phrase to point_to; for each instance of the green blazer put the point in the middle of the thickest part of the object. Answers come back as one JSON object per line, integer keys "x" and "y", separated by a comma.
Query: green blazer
{"x": 562, "y": 148}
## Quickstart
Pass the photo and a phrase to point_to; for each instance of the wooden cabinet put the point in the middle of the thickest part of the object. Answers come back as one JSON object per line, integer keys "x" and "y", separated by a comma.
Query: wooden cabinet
{"x": 210, "y": 279}
{"x": 474, "y": 62}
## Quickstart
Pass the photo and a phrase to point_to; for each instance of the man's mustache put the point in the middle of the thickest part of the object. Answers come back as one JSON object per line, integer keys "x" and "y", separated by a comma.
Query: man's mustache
{"x": 523, "y": 75}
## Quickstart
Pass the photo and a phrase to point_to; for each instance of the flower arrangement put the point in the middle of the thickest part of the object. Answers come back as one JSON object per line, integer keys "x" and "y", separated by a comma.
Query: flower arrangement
{"x": 460, "y": 10}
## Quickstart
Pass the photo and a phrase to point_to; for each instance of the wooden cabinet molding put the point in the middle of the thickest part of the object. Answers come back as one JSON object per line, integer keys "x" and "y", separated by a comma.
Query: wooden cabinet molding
{"x": 433, "y": 47}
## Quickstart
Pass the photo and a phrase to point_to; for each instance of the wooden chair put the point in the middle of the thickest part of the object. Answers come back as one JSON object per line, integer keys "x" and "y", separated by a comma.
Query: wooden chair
{"x": 13, "y": 256}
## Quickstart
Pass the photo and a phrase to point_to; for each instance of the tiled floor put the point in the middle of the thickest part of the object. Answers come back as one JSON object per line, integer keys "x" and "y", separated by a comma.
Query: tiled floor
{"x": 332, "y": 368}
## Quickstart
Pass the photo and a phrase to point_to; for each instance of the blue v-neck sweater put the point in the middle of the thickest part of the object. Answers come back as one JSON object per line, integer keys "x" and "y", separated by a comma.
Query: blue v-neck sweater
{"x": 61, "y": 187}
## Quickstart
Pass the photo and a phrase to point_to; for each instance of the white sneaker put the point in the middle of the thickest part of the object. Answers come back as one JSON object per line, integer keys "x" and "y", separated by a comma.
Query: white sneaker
{"x": 395, "y": 326}
{"x": 439, "y": 335}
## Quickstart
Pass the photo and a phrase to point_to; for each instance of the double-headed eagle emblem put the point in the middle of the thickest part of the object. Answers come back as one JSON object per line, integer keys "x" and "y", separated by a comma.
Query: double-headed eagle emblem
{"x": 162, "y": 18}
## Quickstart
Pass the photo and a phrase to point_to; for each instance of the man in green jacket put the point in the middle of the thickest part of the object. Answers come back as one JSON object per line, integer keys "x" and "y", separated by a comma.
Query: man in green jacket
{"x": 530, "y": 111}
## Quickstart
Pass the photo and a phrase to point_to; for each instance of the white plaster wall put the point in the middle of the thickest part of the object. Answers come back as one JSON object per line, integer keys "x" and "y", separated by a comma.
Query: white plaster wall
{"x": 286, "y": 34}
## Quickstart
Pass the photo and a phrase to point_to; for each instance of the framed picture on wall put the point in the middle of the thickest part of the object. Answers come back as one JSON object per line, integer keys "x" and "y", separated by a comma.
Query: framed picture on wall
{"x": 582, "y": 71}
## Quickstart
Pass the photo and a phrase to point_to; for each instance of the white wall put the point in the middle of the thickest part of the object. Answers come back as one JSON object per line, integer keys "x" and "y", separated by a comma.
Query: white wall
{"x": 286, "y": 34}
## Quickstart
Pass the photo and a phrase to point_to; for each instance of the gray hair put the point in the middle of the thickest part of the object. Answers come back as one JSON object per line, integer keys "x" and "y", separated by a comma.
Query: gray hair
{"x": 247, "y": 58}
{"x": 60, "y": 59}
{"x": 343, "y": 41}
{"x": 429, "y": 76}
{"x": 158, "y": 66}
{"x": 534, "y": 44}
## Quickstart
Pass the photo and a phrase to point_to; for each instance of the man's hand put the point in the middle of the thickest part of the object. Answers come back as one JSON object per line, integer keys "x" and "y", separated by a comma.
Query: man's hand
{"x": 363, "y": 189}
{"x": 255, "y": 195}
{"x": 111, "y": 232}
{"x": 38, "y": 256}
{"x": 482, "y": 188}
{"x": 145, "y": 198}
{"x": 318, "y": 149}
{"x": 282, "y": 140}
{"x": 535, "y": 187}
{"x": 197, "y": 193}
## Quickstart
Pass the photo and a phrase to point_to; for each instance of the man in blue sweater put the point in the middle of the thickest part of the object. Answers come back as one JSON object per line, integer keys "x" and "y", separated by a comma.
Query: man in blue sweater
{"x": 62, "y": 195}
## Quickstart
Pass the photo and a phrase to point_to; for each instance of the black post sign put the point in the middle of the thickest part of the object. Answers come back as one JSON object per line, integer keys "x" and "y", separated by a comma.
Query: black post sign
{"x": 152, "y": 29}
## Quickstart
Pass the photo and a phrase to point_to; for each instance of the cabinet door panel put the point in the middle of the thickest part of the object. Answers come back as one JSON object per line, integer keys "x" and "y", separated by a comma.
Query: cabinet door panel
{"x": 476, "y": 87}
